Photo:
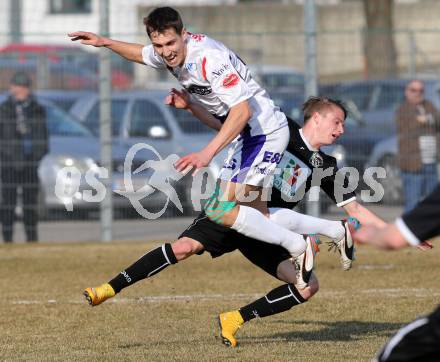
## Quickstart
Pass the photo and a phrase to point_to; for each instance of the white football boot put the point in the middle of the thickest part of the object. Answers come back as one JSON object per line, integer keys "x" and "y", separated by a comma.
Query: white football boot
{"x": 345, "y": 245}
{"x": 306, "y": 261}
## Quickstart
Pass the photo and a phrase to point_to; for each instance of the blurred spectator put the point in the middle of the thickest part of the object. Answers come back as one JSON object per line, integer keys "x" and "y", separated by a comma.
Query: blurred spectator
{"x": 418, "y": 124}
{"x": 23, "y": 143}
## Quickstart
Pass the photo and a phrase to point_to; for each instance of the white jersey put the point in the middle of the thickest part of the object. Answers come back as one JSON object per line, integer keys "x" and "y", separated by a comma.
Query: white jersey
{"x": 218, "y": 79}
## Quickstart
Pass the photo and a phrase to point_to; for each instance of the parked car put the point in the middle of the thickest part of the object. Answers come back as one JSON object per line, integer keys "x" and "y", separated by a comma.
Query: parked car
{"x": 142, "y": 117}
{"x": 372, "y": 105}
{"x": 72, "y": 144}
{"x": 384, "y": 155}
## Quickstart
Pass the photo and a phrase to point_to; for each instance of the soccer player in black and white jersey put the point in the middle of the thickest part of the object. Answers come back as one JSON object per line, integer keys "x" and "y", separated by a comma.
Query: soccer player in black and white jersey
{"x": 253, "y": 127}
{"x": 205, "y": 235}
{"x": 420, "y": 339}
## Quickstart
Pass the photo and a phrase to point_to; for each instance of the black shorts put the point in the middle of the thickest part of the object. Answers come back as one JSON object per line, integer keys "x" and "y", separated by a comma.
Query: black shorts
{"x": 218, "y": 240}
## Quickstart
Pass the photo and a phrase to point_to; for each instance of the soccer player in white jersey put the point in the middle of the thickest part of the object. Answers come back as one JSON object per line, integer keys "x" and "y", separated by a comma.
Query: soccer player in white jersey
{"x": 255, "y": 128}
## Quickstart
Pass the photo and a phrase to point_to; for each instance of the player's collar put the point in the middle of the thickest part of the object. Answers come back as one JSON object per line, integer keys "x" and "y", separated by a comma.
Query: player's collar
{"x": 309, "y": 146}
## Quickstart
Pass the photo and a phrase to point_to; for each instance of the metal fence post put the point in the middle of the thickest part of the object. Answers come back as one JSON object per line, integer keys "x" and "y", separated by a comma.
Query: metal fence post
{"x": 15, "y": 31}
{"x": 311, "y": 82}
{"x": 412, "y": 64}
{"x": 106, "y": 214}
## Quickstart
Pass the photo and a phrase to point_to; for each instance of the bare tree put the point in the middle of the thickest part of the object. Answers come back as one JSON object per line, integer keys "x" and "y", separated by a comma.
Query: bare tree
{"x": 380, "y": 50}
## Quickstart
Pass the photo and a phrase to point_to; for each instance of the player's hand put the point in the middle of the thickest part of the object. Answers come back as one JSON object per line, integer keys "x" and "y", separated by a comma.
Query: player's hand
{"x": 178, "y": 99}
{"x": 88, "y": 38}
{"x": 194, "y": 161}
{"x": 375, "y": 236}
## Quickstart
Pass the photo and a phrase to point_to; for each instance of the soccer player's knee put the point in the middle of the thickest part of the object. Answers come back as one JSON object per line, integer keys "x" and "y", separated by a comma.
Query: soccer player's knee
{"x": 286, "y": 272}
{"x": 185, "y": 247}
{"x": 313, "y": 285}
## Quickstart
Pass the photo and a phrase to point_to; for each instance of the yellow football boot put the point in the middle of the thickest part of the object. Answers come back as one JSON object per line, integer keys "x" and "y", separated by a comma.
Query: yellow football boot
{"x": 230, "y": 322}
{"x": 95, "y": 296}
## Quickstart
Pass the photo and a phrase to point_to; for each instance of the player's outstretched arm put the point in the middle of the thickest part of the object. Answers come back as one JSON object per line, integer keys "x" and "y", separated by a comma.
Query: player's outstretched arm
{"x": 129, "y": 51}
{"x": 237, "y": 119}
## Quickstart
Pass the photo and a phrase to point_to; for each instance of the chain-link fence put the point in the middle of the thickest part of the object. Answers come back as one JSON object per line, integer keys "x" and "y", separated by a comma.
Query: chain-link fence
{"x": 65, "y": 80}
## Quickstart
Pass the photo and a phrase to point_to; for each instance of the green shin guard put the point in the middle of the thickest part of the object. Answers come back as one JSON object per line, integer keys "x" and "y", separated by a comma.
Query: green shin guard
{"x": 216, "y": 208}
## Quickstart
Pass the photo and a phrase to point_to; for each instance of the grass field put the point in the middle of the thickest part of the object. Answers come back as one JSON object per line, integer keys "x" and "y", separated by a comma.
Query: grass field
{"x": 171, "y": 316}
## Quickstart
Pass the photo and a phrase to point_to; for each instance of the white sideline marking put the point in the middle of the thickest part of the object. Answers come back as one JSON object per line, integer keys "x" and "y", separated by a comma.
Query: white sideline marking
{"x": 389, "y": 292}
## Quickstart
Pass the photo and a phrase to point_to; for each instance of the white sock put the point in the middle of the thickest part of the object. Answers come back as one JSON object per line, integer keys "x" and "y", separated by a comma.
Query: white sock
{"x": 305, "y": 224}
{"x": 253, "y": 223}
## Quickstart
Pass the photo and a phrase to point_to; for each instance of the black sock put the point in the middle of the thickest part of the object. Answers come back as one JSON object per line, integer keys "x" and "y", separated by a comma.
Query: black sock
{"x": 151, "y": 263}
{"x": 276, "y": 301}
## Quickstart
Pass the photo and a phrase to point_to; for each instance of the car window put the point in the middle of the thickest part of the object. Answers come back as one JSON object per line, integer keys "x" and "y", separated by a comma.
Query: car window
{"x": 359, "y": 94}
{"x": 60, "y": 123}
{"x": 65, "y": 104}
{"x": 281, "y": 80}
{"x": 290, "y": 105}
{"x": 119, "y": 107}
{"x": 144, "y": 116}
{"x": 188, "y": 123}
{"x": 390, "y": 96}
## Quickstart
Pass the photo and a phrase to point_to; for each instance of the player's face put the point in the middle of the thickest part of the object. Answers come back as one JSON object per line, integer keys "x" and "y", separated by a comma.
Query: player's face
{"x": 331, "y": 125}
{"x": 170, "y": 46}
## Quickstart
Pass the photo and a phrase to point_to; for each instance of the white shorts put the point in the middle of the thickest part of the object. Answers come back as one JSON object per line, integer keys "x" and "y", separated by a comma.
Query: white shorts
{"x": 252, "y": 160}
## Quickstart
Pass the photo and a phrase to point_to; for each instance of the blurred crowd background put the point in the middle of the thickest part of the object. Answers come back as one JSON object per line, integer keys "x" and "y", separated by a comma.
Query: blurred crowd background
{"x": 367, "y": 52}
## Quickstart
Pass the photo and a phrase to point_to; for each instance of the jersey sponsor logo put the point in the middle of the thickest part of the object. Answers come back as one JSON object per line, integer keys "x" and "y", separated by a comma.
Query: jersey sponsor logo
{"x": 231, "y": 80}
{"x": 199, "y": 89}
{"x": 263, "y": 170}
{"x": 191, "y": 67}
{"x": 292, "y": 174}
{"x": 272, "y": 157}
{"x": 218, "y": 72}
{"x": 197, "y": 37}
{"x": 316, "y": 160}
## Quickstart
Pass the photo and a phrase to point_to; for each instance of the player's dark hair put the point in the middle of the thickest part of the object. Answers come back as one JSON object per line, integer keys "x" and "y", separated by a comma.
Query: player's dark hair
{"x": 321, "y": 105}
{"x": 161, "y": 19}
